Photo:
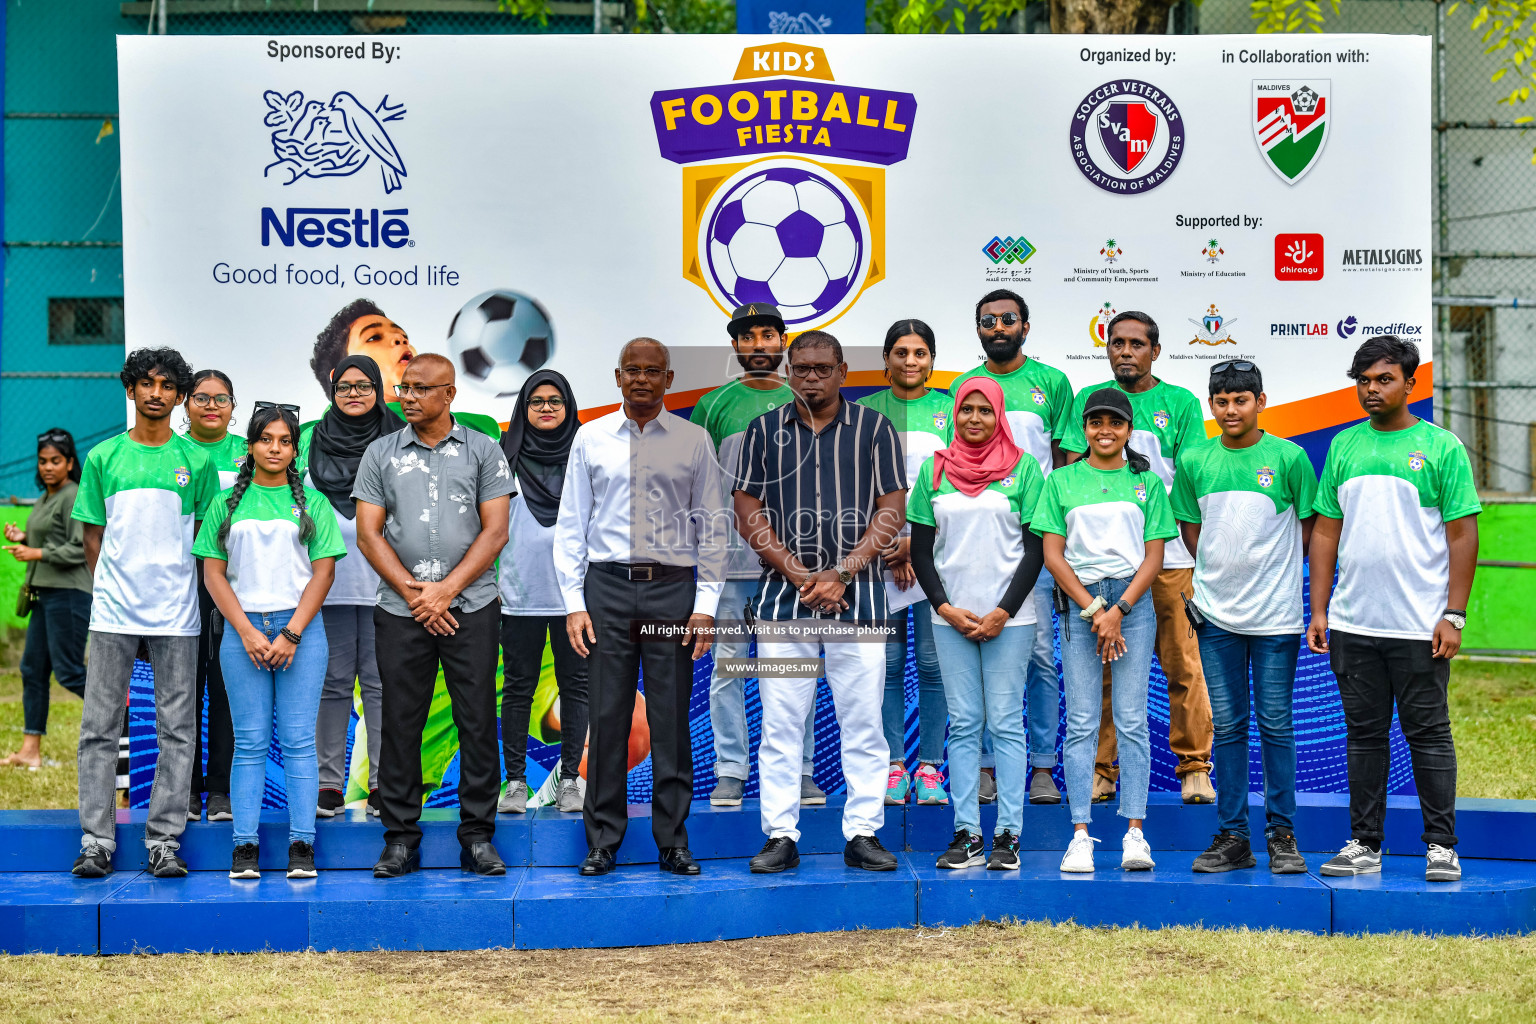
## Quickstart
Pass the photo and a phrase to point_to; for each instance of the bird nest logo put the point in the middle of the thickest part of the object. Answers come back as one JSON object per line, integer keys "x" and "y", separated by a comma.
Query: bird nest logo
{"x": 769, "y": 215}
{"x": 311, "y": 139}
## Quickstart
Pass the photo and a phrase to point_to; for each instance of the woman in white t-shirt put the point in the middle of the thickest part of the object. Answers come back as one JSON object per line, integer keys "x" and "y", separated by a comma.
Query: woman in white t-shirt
{"x": 538, "y": 446}
{"x": 269, "y": 547}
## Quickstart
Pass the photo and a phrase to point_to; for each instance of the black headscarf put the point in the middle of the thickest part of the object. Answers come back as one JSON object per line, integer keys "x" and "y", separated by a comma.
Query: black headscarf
{"x": 539, "y": 456}
{"x": 339, "y": 440}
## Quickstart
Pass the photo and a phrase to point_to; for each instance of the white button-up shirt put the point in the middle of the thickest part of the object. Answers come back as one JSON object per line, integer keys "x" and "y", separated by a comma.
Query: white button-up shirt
{"x": 642, "y": 495}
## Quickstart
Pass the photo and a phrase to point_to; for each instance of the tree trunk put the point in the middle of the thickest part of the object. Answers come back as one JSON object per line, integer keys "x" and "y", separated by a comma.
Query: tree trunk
{"x": 1112, "y": 17}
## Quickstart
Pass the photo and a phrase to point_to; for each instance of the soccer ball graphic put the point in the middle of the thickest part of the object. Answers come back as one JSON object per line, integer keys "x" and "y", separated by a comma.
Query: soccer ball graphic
{"x": 789, "y": 235}
{"x": 498, "y": 338}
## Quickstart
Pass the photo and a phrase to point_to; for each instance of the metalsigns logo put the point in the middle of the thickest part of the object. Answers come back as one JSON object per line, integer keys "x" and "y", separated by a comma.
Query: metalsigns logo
{"x": 783, "y": 225}
{"x": 1098, "y": 325}
{"x": 1009, "y": 250}
{"x": 1127, "y": 136}
{"x": 311, "y": 139}
{"x": 1213, "y": 328}
{"x": 1290, "y": 124}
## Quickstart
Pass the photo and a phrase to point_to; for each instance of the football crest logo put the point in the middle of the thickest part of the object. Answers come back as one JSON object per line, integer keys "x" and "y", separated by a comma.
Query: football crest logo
{"x": 1266, "y": 476}
{"x": 295, "y": 510}
{"x": 1290, "y": 124}
{"x": 1038, "y": 395}
{"x": 1008, "y": 481}
{"x": 1415, "y": 461}
{"x": 940, "y": 420}
{"x": 183, "y": 476}
{"x": 1140, "y": 491}
{"x": 1160, "y": 419}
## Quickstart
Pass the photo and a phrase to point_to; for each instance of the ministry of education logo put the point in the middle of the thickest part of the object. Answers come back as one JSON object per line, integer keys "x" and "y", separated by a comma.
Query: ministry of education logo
{"x": 1127, "y": 136}
{"x": 1266, "y": 476}
{"x": 312, "y": 139}
{"x": 1213, "y": 252}
{"x": 1290, "y": 124}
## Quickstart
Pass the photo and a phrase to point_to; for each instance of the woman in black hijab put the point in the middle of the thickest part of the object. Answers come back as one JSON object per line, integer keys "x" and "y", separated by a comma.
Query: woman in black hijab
{"x": 538, "y": 445}
{"x": 331, "y": 450}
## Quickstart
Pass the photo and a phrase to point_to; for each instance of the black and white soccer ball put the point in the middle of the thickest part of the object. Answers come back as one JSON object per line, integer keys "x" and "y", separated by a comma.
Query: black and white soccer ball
{"x": 1305, "y": 100}
{"x": 498, "y": 338}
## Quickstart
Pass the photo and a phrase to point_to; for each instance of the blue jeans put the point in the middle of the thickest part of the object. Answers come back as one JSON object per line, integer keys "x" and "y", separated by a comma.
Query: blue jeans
{"x": 294, "y": 694}
{"x": 984, "y": 685}
{"x": 1083, "y": 676}
{"x": 1226, "y": 657}
{"x": 931, "y": 709}
{"x": 1043, "y": 711}
{"x": 728, "y": 697}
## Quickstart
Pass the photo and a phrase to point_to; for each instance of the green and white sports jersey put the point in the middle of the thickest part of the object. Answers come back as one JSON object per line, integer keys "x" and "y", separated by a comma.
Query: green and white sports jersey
{"x": 979, "y": 541}
{"x": 1107, "y": 516}
{"x": 1168, "y": 418}
{"x": 1249, "y": 503}
{"x": 1395, "y": 491}
{"x": 268, "y": 565}
{"x": 922, "y": 425}
{"x": 725, "y": 413}
{"x": 227, "y": 456}
{"x": 1038, "y": 401}
{"x": 148, "y": 499}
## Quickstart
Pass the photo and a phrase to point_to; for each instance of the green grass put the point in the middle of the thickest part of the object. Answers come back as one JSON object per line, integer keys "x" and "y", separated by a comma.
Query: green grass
{"x": 1493, "y": 717}
{"x": 55, "y": 783}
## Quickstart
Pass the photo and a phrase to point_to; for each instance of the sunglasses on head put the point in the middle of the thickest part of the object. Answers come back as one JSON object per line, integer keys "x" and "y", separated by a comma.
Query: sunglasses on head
{"x": 262, "y": 406}
{"x": 1240, "y": 365}
{"x": 53, "y": 435}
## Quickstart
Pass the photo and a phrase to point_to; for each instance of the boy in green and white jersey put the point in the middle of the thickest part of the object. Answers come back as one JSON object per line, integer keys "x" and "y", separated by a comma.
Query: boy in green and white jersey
{"x": 141, "y": 495}
{"x": 1244, "y": 504}
{"x": 1398, "y": 512}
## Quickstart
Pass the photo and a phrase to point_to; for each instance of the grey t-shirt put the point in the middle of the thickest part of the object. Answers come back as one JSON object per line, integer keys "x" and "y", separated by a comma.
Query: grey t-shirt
{"x": 430, "y": 498}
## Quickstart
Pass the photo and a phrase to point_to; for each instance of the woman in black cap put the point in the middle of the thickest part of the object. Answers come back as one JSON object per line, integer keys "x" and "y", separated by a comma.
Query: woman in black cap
{"x": 538, "y": 446}
{"x": 330, "y": 450}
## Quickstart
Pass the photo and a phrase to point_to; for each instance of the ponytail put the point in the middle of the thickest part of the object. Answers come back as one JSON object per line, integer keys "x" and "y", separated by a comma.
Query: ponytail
{"x": 1139, "y": 462}
{"x": 242, "y": 482}
{"x": 296, "y": 485}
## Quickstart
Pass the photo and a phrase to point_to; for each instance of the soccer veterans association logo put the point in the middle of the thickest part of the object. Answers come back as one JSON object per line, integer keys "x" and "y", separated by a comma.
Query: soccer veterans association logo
{"x": 1290, "y": 124}
{"x": 1127, "y": 136}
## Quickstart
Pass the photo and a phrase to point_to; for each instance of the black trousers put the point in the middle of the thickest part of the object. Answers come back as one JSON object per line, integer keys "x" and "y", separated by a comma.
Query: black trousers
{"x": 1373, "y": 674}
{"x": 210, "y": 681}
{"x": 614, "y": 667}
{"x": 522, "y": 655}
{"x": 408, "y": 660}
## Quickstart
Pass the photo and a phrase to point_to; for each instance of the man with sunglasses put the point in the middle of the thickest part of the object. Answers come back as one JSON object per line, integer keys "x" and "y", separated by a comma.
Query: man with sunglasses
{"x": 432, "y": 504}
{"x": 1038, "y": 402}
{"x": 1243, "y": 500}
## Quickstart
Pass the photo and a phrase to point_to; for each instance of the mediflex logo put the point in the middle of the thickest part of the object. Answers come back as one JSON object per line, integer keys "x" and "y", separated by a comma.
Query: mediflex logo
{"x": 338, "y": 227}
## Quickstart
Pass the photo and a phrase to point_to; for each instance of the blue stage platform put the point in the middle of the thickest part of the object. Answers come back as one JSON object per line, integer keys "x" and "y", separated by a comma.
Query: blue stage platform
{"x": 543, "y": 903}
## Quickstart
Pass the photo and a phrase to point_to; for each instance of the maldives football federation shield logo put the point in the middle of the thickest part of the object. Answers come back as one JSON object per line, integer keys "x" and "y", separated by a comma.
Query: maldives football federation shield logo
{"x": 1290, "y": 124}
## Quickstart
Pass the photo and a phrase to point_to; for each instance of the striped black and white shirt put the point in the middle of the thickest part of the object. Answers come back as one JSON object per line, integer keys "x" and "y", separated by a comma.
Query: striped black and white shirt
{"x": 819, "y": 491}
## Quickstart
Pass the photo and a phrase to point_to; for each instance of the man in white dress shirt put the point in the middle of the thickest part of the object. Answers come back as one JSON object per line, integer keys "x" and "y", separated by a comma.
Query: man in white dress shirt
{"x": 640, "y": 552}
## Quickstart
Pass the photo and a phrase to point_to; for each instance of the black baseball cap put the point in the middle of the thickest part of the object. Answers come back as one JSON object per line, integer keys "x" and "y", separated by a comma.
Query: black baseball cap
{"x": 754, "y": 314}
{"x": 1109, "y": 400}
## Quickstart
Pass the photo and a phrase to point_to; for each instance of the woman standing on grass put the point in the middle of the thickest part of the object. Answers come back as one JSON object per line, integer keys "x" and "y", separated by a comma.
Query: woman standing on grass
{"x": 1103, "y": 521}
{"x": 56, "y": 591}
{"x": 269, "y": 547}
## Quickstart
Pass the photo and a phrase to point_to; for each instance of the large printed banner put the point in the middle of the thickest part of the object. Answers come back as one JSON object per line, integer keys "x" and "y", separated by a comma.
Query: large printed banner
{"x": 518, "y": 202}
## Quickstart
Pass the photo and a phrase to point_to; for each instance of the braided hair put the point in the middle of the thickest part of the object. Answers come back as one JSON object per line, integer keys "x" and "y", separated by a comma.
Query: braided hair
{"x": 260, "y": 421}
{"x": 1139, "y": 462}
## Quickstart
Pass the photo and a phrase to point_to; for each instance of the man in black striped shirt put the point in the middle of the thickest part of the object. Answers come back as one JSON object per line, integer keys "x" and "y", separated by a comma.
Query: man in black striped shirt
{"x": 822, "y": 491}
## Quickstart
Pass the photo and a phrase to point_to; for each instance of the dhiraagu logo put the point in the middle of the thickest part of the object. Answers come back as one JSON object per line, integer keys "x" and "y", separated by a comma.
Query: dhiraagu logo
{"x": 1415, "y": 460}
{"x": 183, "y": 476}
{"x": 1266, "y": 476}
{"x": 1037, "y": 395}
{"x": 1140, "y": 491}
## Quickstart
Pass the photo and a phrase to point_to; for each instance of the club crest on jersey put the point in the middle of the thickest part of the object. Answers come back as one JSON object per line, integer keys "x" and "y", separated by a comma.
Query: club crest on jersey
{"x": 940, "y": 420}
{"x": 1266, "y": 476}
{"x": 1415, "y": 460}
{"x": 1037, "y": 395}
{"x": 297, "y": 512}
{"x": 1140, "y": 491}
{"x": 183, "y": 476}
{"x": 1160, "y": 418}
{"x": 240, "y": 462}
{"x": 1008, "y": 481}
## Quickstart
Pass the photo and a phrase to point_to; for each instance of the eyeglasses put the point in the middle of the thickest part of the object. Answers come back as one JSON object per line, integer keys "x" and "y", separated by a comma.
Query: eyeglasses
{"x": 203, "y": 401}
{"x": 650, "y": 373}
{"x": 263, "y": 406}
{"x": 1240, "y": 365}
{"x": 805, "y": 371}
{"x": 361, "y": 387}
{"x": 416, "y": 390}
{"x": 988, "y": 321}
{"x": 546, "y": 403}
{"x": 55, "y": 434}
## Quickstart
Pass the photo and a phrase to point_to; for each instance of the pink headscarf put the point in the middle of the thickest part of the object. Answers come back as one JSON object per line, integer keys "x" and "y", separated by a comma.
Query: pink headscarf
{"x": 972, "y": 467}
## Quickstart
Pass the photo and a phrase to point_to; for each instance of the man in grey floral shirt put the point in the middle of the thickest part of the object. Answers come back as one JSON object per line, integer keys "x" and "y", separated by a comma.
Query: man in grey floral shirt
{"x": 431, "y": 519}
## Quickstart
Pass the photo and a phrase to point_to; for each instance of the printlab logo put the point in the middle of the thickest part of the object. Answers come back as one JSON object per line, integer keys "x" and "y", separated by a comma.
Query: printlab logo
{"x": 1127, "y": 136}
{"x": 1111, "y": 252}
{"x": 1098, "y": 325}
{"x": 311, "y": 139}
{"x": 1213, "y": 252}
{"x": 1299, "y": 257}
{"x": 1290, "y": 124}
{"x": 1009, "y": 250}
{"x": 1213, "y": 328}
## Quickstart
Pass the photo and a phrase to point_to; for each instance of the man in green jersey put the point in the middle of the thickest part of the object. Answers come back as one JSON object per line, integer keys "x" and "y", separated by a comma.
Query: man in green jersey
{"x": 1397, "y": 513}
{"x": 1167, "y": 420}
{"x": 142, "y": 494}
{"x": 757, "y": 336}
{"x": 1038, "y": 401}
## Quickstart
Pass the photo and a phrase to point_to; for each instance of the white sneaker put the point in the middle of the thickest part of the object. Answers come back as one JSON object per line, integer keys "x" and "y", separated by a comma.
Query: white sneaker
{"x": 1442, "y": 865}
{"x": 1079, "y": 855}
{"x": 1354, "y": 859}
{"x": 1135, "y": 854}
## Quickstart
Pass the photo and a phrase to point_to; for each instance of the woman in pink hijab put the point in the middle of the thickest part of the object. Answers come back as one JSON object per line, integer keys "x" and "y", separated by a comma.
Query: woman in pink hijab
{"x": 977, "y": 562}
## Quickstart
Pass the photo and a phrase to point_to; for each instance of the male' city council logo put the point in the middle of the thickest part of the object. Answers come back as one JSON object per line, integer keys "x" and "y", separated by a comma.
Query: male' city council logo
{"x": 1008, "y": 250}
{"x": 1290, "y": 124}
{"x": 312, "y": 139}
{"x": 1127, "y": 136}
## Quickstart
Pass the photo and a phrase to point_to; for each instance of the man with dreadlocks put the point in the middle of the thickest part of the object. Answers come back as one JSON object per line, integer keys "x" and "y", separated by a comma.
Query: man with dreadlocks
{"x": 269, "y": 548}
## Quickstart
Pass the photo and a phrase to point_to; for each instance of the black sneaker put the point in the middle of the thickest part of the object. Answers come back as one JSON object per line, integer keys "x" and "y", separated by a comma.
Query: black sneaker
{"x": 375, "y": 805}
{"x": 1005, "y": 852}
{"x": 777, "y": 854}
{"x": 965, "y": 851}
{"x": 163, "y": 863}
{"x": 244, "y": 864}
{"x": 195, "y": 807}
{"x": 93, "y": 862}
{"x": 331, "y": 803}
{"x": 219, "y": 808}
{"x": 867, "y": 853}
{"x": 1283, "y": 857}
{"x": 301, "y": 860}
{"x": 1227, "y": 852}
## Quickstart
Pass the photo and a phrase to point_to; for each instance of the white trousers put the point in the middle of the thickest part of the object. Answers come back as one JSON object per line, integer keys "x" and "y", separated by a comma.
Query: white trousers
{"x": 856, "y": 675}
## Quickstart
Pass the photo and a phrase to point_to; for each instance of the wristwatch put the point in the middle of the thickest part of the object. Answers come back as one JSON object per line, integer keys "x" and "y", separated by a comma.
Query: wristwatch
{"x": 1124, "y": 606}
{"x": 1456, "y": 617}
{"x": 843, "y": 575}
